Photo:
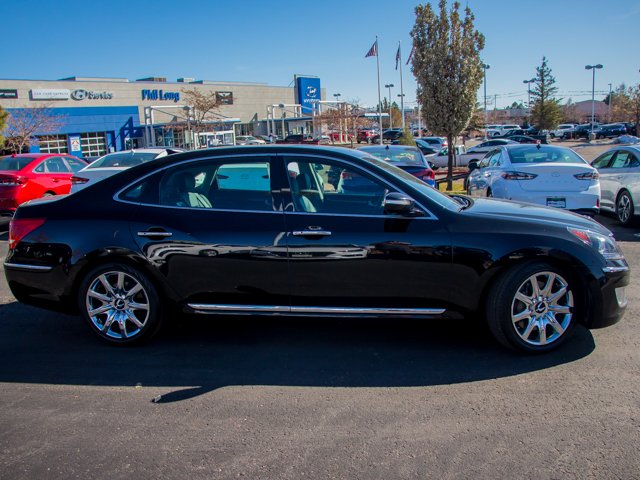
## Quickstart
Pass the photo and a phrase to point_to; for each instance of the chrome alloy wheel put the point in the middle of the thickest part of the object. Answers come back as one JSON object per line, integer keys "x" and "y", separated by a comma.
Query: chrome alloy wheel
{"x": 542, "y": 308}
{"x": 117, "y": 305}
{"x": 624, "y": 208}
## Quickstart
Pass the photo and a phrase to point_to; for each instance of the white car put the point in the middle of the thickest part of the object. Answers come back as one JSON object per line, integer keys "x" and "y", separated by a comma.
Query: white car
{"x": 540, "y": 174}
{"x": 438, "y": 143}
{"x": 619, "y": 170}
{"x": 563, "y": 128}
{"x": 249, "y": 140}
{"x": 113, "y": 163}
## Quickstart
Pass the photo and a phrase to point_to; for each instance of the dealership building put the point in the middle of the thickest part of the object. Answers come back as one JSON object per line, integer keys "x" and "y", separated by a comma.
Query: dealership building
{"x": 93, "y": 116}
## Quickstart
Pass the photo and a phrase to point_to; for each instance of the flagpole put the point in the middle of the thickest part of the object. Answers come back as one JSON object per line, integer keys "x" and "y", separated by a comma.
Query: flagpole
{"x": 379, "y": 101}
{"x": 401, "y": 90}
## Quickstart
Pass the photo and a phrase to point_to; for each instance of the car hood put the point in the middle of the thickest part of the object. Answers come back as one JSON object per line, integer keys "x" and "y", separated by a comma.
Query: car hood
{"x": 535, "y": 213}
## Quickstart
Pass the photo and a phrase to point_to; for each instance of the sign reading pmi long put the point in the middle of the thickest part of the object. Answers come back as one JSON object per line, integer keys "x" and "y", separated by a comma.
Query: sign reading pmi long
{"x": 160, "y": 95}
{"x": 307, "y": 92}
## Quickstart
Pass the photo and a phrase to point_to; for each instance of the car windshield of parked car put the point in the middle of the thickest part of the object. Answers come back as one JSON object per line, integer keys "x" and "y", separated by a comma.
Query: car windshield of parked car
{"x": 404, "y": 156}
{"x": 123, "y": 159}
{"x": 14, "y": 163}
{"x": 544, "y": 155}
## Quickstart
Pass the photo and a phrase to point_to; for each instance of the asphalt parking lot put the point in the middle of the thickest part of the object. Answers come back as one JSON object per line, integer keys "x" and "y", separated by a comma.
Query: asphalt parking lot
{"x": 316, "y": 398}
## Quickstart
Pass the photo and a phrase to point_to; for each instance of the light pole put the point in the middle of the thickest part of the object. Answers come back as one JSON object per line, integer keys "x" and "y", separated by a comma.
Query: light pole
{"x": 610, "y": 99}
{"x": 593, "y": 68}
{"x": 401, "y": 95}
{"x": 485, "y": 67}
{"x": 529, "y": 82}
{"x": 337, "y": 97}
{"x": 389, "y": 85}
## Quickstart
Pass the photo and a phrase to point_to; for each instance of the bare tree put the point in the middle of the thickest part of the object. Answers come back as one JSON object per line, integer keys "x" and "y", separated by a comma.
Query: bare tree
{"x": 345, "y": 117}
{"x": 24, "y": 124}
{"x": 448, "y": 69}
{"x": 203, "y": 107}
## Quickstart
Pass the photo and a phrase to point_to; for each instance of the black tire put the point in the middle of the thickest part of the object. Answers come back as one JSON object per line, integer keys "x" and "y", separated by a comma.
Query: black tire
{"x": 369, "y": 141}
{"x": 489, "y": 193}
{"x": 503, "y": 308}
{"x": 144, "y": 305}
{"x": 624, "y": 209}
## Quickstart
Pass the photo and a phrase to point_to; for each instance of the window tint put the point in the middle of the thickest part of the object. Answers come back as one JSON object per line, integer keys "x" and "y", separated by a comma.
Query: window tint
{"x": 603, "y": 160}
{"x": 535, "y": 154}
{"x": 333, "y": 188}
{"x": 15, "y": 163}
{"x": 494, "y": 161}
{"x": 622, "y": 160}
{"x": 208, "y": 185}
{"x": 52, "y": 165}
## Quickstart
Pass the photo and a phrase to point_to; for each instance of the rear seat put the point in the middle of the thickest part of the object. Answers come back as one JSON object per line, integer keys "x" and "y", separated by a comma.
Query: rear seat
{"x": 249, "y": 199}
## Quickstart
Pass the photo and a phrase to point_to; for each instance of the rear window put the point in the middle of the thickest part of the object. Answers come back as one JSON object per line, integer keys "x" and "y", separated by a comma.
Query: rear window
{"x": 544, "y": 155}
{"x": 15, "y": 163}
{"x": 247, "y": 176}
{"x": 408, "y": 156}
{"x": 123, "y": 159}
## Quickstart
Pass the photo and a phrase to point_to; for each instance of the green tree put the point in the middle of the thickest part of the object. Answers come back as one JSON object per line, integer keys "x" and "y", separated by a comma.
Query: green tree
{"x": 3, "y": 124}
{"x": 447, "y": 66}
{"x": 407, "y": 137}
{"x": 546, "y": 112}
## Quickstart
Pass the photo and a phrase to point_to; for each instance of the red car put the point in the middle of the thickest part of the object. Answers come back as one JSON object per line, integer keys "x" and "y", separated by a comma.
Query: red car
{"x": 34, "y": 175}
{"x": 366, "y": 135}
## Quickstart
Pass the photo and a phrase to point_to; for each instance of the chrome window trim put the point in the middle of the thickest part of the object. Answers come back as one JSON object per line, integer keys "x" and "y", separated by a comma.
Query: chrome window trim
{"x": 225, "y": 308}
{"x": 25, "y": 266}
{"x": 430, "y": 216}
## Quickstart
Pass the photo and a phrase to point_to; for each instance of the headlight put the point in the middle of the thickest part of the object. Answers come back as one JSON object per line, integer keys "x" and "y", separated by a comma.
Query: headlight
{"x": 605, "y": 246}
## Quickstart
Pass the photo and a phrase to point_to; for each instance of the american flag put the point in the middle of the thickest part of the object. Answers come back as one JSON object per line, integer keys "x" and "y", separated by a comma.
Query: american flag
{"x": 373, "y": 51}
{"x": 398, "y": 56}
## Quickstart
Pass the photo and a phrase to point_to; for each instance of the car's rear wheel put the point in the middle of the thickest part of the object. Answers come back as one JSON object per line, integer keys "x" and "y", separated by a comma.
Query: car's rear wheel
{"x": 533, "y": 307}
{"x": 624, "y": 208}
{"x": 120, "y": 304}
{"x": 489, "y": 193}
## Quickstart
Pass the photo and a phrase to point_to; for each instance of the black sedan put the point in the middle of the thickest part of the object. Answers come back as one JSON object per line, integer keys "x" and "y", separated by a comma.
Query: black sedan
{"x": 262, "y": 231}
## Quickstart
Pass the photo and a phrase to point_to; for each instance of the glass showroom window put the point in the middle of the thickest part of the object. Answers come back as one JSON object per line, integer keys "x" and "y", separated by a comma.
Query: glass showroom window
{"x": 53, "y": 144}
{"x": 93, "y": 144}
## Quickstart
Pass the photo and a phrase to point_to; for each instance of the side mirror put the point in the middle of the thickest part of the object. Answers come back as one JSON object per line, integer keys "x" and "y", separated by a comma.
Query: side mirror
{"x": 473, "y": 166}
{"x": 398, "y": 203}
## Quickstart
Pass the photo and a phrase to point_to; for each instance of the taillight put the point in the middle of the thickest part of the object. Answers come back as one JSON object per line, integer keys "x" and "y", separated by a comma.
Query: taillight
{"x": 587, "y": 176}
{"x": 19, "y": 227}
{"x": 75, "y": 180}
{"x": 426, "y": 174}
{"x": 12, "y": 181}
{"x": 518, "y": 176}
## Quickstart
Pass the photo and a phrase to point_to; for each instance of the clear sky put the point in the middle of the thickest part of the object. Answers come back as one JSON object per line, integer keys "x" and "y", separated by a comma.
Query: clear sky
{"x": 271, "y": 40}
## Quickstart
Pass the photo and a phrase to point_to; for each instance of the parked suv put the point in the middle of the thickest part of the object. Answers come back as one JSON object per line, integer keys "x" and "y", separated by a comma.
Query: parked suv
{"x": 610, "y": 131}
{"x": 562, "y": 130}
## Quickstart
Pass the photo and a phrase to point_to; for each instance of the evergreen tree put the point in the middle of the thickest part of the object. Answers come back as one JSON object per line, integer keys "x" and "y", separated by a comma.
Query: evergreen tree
{"x": 546, "y": 112}
{"x": 447, "y": 66}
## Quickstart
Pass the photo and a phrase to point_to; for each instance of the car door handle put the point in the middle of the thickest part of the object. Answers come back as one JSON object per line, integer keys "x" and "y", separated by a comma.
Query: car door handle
{"x": 311, "y": 233}
{"x": 151, "y": 233}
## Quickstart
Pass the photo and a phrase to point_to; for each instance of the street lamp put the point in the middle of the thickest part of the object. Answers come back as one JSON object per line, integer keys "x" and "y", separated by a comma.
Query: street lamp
{"x": 529, "y": 82}
{"x": 485, "y": 67}
{"x": 402, "y": 95}
{"x": 337, "y": 97}
{"x": 593, "y": 93}
{"x": 389, "y": 85}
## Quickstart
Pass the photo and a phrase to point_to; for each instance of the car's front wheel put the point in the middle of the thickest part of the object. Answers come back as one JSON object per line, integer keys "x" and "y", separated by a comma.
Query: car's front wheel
{"x": 120, "y": 304}
{"x": 533, "y": 307}
{"x": 624, "y": 208}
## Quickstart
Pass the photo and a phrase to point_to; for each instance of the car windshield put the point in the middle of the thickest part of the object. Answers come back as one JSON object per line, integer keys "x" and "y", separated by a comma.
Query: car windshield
{"x": 14, "y": 163}
{"x": 400, "y": 155}
{"x": 123, "y": 159}
{"x": 531, "y": 154}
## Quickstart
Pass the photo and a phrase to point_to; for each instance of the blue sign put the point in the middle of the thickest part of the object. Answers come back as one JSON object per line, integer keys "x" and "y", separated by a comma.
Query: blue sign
{"x": 307, "y": 92}
{"x": 160, "y": 95}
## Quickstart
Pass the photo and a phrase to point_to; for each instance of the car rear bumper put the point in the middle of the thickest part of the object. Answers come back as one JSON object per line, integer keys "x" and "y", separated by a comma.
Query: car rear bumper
{"x": 586, "y": 201}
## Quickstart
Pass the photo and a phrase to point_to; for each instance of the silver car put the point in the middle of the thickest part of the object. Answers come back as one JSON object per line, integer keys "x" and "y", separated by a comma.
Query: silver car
{"x": 619, "y": 170}
{"x": 115, "y": 162}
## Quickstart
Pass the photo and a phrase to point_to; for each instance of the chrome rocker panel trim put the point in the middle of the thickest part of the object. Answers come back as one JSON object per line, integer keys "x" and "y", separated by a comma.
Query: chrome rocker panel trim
{"x": 24, "y": 266}
{"x": 337, "y": 311}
